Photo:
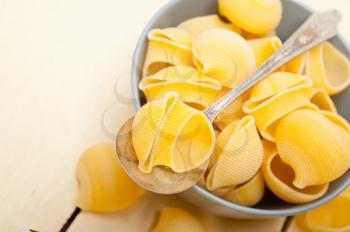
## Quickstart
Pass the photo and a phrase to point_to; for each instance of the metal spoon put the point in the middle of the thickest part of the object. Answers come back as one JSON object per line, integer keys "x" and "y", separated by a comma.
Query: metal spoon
{"x": 318, "y": 28}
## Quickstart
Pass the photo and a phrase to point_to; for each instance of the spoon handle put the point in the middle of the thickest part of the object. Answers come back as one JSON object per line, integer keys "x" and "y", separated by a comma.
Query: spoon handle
{"x": 318, "y": 28}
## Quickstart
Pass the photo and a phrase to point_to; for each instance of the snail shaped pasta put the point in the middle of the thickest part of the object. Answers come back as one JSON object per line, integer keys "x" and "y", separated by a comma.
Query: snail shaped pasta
{"x": 254, "y": 16}
{"x": 315, "y": 145}
{"x": 168, "y": 132}
{"x": 237, "y": 156}
{"x": 249, "y": 193}
{"x": 297, "y": 65}
{"x": 280, "y": 94}
{"x": 167, "y": 47}
{"x": 174, "y": 219}
{"x": 332, "y": 216}
{"x": 264, "y": 48}
{"x": 198, "y": 25}
{"x": 223, "y": 55}
{"x": 279, "y": 178}
{"x": 103, "y": 185}
{"x": 192, "y": 87}
{"x": 328, "y": 68}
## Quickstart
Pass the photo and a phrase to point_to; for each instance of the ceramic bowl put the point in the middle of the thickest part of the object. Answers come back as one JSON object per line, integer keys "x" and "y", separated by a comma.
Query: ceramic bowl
{"x": 294, "y": 14}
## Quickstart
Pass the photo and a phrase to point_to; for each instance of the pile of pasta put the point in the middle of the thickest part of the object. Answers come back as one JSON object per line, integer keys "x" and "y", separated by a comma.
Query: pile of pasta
{"x": 284, "y": 133}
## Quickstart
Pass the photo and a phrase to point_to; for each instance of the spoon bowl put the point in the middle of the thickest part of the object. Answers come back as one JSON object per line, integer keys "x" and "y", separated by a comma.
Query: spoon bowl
{"x": 162, "y": 179}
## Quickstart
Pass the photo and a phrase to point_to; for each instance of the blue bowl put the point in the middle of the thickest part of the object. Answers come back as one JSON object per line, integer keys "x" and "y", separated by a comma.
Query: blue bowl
{"x": 294, "y": 14}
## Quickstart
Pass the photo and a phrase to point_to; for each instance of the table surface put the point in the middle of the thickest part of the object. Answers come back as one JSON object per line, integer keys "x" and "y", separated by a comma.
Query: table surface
{"x": 64, "y": 85}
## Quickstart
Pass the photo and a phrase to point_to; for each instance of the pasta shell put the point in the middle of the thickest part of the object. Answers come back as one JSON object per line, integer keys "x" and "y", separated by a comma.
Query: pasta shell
{"x": 297, "y": 65}
{"x": 264, "y": 48}
{"x": 103, "y": 185}
{"x": 223, "y": 55}
{"x": 276, "y": 96}
{"x": 167, "y": 47}
{"x": 237, "y": 156}
{"x": 248, "y": 194}
{"x": 168, "y": 132}
{"x": 198, "y": 25}
{"x": 328, "y": 68}
{"x": 254, "y": 16}
{"x": 330, "y": 217}
{"x": 191, "y": 86}
{"x": 315, "y": 147}
{"x": 231, "y": 113}
{"x": 249, "y": 36}
{"x": 279, "y": 178}
{"x": 174, "y": 220}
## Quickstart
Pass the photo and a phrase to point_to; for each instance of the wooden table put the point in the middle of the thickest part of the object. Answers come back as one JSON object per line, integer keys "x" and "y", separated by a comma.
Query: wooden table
{"x": 64, "y": 85}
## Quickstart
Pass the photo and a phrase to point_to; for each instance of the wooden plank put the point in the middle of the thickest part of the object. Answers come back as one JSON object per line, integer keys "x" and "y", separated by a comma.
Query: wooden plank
{"x": 59, "y": 62}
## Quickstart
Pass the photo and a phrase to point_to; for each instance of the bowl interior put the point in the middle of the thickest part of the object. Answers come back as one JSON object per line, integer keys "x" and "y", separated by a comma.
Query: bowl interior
{"x": 294, "y": 14}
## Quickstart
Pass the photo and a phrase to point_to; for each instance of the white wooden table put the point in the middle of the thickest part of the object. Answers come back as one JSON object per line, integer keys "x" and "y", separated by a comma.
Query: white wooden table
{"x": 64, "y": 63}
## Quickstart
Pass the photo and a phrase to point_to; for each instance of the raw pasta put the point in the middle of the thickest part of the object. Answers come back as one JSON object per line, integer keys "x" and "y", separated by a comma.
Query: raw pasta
{"x": 223, "y": 55}
{"x": 254, "y": 16}
{"x": 237, "y": 157}
{"x": 198, "y": 25}
{"x": 316, "y": 147}
{"x": 191, "y": 86}
{"x": 170, "y": 133}
{"x": 103, "y": 185}
{"x": 167, "y": 47}
{"x": 174, "y": 220}
{"x": 279, "y": 178}
{"x": 328, "y": 68}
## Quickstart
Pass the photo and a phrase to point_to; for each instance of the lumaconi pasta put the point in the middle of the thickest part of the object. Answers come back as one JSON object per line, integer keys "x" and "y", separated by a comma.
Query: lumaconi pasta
{"x": 317, "y": 150}
{"x": 279, "y": 178}
{"x": 276, "y": 96}
{"x": 254, "y": 16}
{"x": 237, "y": 157}
{"x": 297, "y": 65}
{"x": 248, "y": 194}
{"x": 264, "y": 48}
{"x": 167, "y": 47}
{"x": 103, "y": 185}
{"x": 328, "y": 68}
{"x": 191, "y": 86}
{"x": 170, "y": 133}
{"x": 223, "y": 55}
{"x": 174, "y": 219}
{"x": 331, "y": 217}
{"x": 198, "y": 25}
{"x": 231, "y": 113}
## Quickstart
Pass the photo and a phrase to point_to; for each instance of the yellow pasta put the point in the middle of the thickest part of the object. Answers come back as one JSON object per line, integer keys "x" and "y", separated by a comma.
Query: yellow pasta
{"x": 277, "y": 95}
{"x": 237, "y": 157}
{"x": 174, "y": 220}
{"x": 232, "y": 112}
{"x": 297, "y": 65}
{"x": 250, "y": 36}
{"x": 264, "y": 48}
{"x": 248, "y": 194}
{"x": 279, "y": 178}
{"x": 103, "y": 185}
{"x": 167, "y": 47}
{"x": 314, "y": 146}
{"x": 328, "y": 68}
{"x": 191, "y": 86}
{"x": 254, "y": 16}
{"x": 170, "y": 133}
{"x": 198, "y": 25}
{"x": 223, "y": 55}
{"x": 330, "y": 217}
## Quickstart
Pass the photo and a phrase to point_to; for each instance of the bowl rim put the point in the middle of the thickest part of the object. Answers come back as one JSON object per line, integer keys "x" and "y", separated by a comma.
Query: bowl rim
{"x": 295, "y": 209}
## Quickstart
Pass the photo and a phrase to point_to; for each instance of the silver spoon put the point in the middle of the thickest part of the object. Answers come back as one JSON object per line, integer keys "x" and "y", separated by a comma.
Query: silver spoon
{"x": 318, "y": 28}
